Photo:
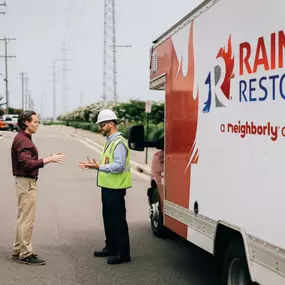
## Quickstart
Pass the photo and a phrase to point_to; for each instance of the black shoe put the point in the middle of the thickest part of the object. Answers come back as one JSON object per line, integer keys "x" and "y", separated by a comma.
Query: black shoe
{"x": 104, "y": 253}
{"x": 118, "y": 259}
{"x": 32, "y": 260}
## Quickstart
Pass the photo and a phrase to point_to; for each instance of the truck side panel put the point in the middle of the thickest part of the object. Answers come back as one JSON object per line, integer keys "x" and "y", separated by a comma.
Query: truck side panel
{"x": 225, "y": 131}
{"x": 181, "y": 127}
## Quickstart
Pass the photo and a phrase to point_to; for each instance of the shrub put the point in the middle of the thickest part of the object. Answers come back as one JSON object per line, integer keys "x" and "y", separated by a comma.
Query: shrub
{"x": 124, "y": 129}
{"x": 157, "y": 133}
{"x": 151, "y": 129}
{"x": 85, "y": 126}
{"x": 94, "y": 128}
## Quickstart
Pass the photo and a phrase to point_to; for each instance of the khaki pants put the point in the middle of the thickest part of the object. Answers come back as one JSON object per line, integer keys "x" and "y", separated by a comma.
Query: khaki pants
{"x": 26, "y": 190}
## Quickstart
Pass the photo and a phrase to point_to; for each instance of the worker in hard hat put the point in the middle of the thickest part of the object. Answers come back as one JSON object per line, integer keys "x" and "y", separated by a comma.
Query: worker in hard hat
{"x": 114, "y": 177}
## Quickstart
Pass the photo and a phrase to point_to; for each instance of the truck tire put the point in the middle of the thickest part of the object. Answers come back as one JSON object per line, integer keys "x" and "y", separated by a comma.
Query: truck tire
{"x": 235, "y": 268}
{"x": 155, "y": 214}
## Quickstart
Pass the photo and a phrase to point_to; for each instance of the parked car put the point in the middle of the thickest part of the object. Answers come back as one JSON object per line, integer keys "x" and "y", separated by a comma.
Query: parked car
{"x": 3, "y": 125}
{"x": 11, "y": 120}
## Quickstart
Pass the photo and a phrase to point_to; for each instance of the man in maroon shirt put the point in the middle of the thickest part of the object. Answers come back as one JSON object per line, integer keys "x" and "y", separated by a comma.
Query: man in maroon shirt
{"x": 26, "y": 165}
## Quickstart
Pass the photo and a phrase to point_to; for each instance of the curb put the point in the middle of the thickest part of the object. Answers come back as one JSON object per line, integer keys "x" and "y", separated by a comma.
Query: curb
{"x": 136, "y": 166}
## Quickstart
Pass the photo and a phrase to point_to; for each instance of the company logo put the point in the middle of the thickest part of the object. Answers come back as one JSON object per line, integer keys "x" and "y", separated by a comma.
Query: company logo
{"x": 266, "y": 56}
{"x": 260, "y": 79}
{"x": 224, "y": 94}
{"x": 259, "y": 76}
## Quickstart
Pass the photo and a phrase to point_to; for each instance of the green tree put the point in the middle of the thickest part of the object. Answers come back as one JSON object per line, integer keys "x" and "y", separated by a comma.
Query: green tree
{"x": 157, "y": 113}
{"x": 131, "y": 112}
{"x": 86, "y": 115}
{"x": 13, "y": 110}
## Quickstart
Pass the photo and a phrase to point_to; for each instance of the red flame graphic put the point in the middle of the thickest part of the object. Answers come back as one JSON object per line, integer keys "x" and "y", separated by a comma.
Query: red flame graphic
{"x": 181, "y": 150}
{"x": 181, "y": 126}
{"x": 184, "y": 87}
{"x": 228, "y": 57}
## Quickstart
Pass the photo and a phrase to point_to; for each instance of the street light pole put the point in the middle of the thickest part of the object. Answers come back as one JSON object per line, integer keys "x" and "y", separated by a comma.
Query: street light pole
{"x": 7, "y": 57}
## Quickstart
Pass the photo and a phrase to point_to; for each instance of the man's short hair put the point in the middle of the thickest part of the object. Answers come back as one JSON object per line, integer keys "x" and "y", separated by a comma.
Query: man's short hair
{"x": 23, "y": 117}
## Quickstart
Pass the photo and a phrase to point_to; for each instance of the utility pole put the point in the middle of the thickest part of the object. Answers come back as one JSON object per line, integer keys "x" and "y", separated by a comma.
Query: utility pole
{"x": 3, "y": 4}
{"x": 54, "y": 81}
{"x": 26, "y": 79}
{"x": 23, "y": 87}
{"x": 42, "y": 107}
{"x": 7, "y": 57}
{"x": 29, "y": 100}
{"x": 32, "y": 103}
{"x": 64, "y": 79}
{"x": 54, "y": 92}
{"x": 81, "y": 99}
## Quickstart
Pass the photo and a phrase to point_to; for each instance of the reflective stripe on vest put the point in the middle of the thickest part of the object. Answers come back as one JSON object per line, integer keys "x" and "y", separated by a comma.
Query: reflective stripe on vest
{"x": 115, "y": 180}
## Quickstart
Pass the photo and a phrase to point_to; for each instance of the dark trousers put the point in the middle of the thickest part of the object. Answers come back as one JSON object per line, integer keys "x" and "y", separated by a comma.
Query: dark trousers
{"x": 115, "y": 223}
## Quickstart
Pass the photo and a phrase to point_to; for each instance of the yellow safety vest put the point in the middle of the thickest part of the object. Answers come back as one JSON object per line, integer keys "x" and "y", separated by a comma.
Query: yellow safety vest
{"x": 121, "y": 180}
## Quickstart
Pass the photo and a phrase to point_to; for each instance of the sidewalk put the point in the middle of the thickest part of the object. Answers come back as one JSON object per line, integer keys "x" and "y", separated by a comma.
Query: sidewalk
{"x": 137, "y": 157}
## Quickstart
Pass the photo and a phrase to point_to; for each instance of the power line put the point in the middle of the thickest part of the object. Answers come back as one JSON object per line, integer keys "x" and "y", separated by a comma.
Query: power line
{"x": 68, "y": 20}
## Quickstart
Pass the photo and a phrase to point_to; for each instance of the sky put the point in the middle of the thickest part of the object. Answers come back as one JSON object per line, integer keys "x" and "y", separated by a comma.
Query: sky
{"x": 41, "y": 27}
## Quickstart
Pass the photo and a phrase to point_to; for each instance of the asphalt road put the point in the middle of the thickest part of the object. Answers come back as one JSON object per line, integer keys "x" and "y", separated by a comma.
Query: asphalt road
{"x": 69, "y": 228}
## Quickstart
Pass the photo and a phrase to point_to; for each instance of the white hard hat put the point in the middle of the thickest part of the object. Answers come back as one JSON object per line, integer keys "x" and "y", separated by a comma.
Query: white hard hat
{"x": 106, "y": 115}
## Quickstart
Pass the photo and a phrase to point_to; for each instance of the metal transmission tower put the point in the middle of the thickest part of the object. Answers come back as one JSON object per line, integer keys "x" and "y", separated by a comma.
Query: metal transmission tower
{"x": 110, "y": 56}
{"x": 109, "y": 71}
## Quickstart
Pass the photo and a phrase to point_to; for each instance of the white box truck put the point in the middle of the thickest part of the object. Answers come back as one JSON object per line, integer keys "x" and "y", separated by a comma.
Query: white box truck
{"x": 218, "y": 180}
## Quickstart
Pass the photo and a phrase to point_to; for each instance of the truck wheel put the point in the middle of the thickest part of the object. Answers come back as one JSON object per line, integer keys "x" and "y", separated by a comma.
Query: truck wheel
{"x": 11, "y": 128}
{"x": 155, "y": 214}
{"x": 235, "y": 268}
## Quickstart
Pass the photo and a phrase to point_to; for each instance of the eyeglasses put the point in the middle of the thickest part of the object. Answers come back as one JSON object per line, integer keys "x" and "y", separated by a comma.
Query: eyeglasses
{"x": 102, "y": 125}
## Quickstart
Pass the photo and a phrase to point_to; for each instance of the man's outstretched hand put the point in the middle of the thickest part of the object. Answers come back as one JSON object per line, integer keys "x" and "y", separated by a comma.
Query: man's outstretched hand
{"x": 57, "y": 158}
{"x": 89, "y": 164}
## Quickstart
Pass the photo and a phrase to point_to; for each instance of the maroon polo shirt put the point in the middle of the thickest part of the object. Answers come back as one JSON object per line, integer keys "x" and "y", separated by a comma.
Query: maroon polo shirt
{"x": 25, "y": 160}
